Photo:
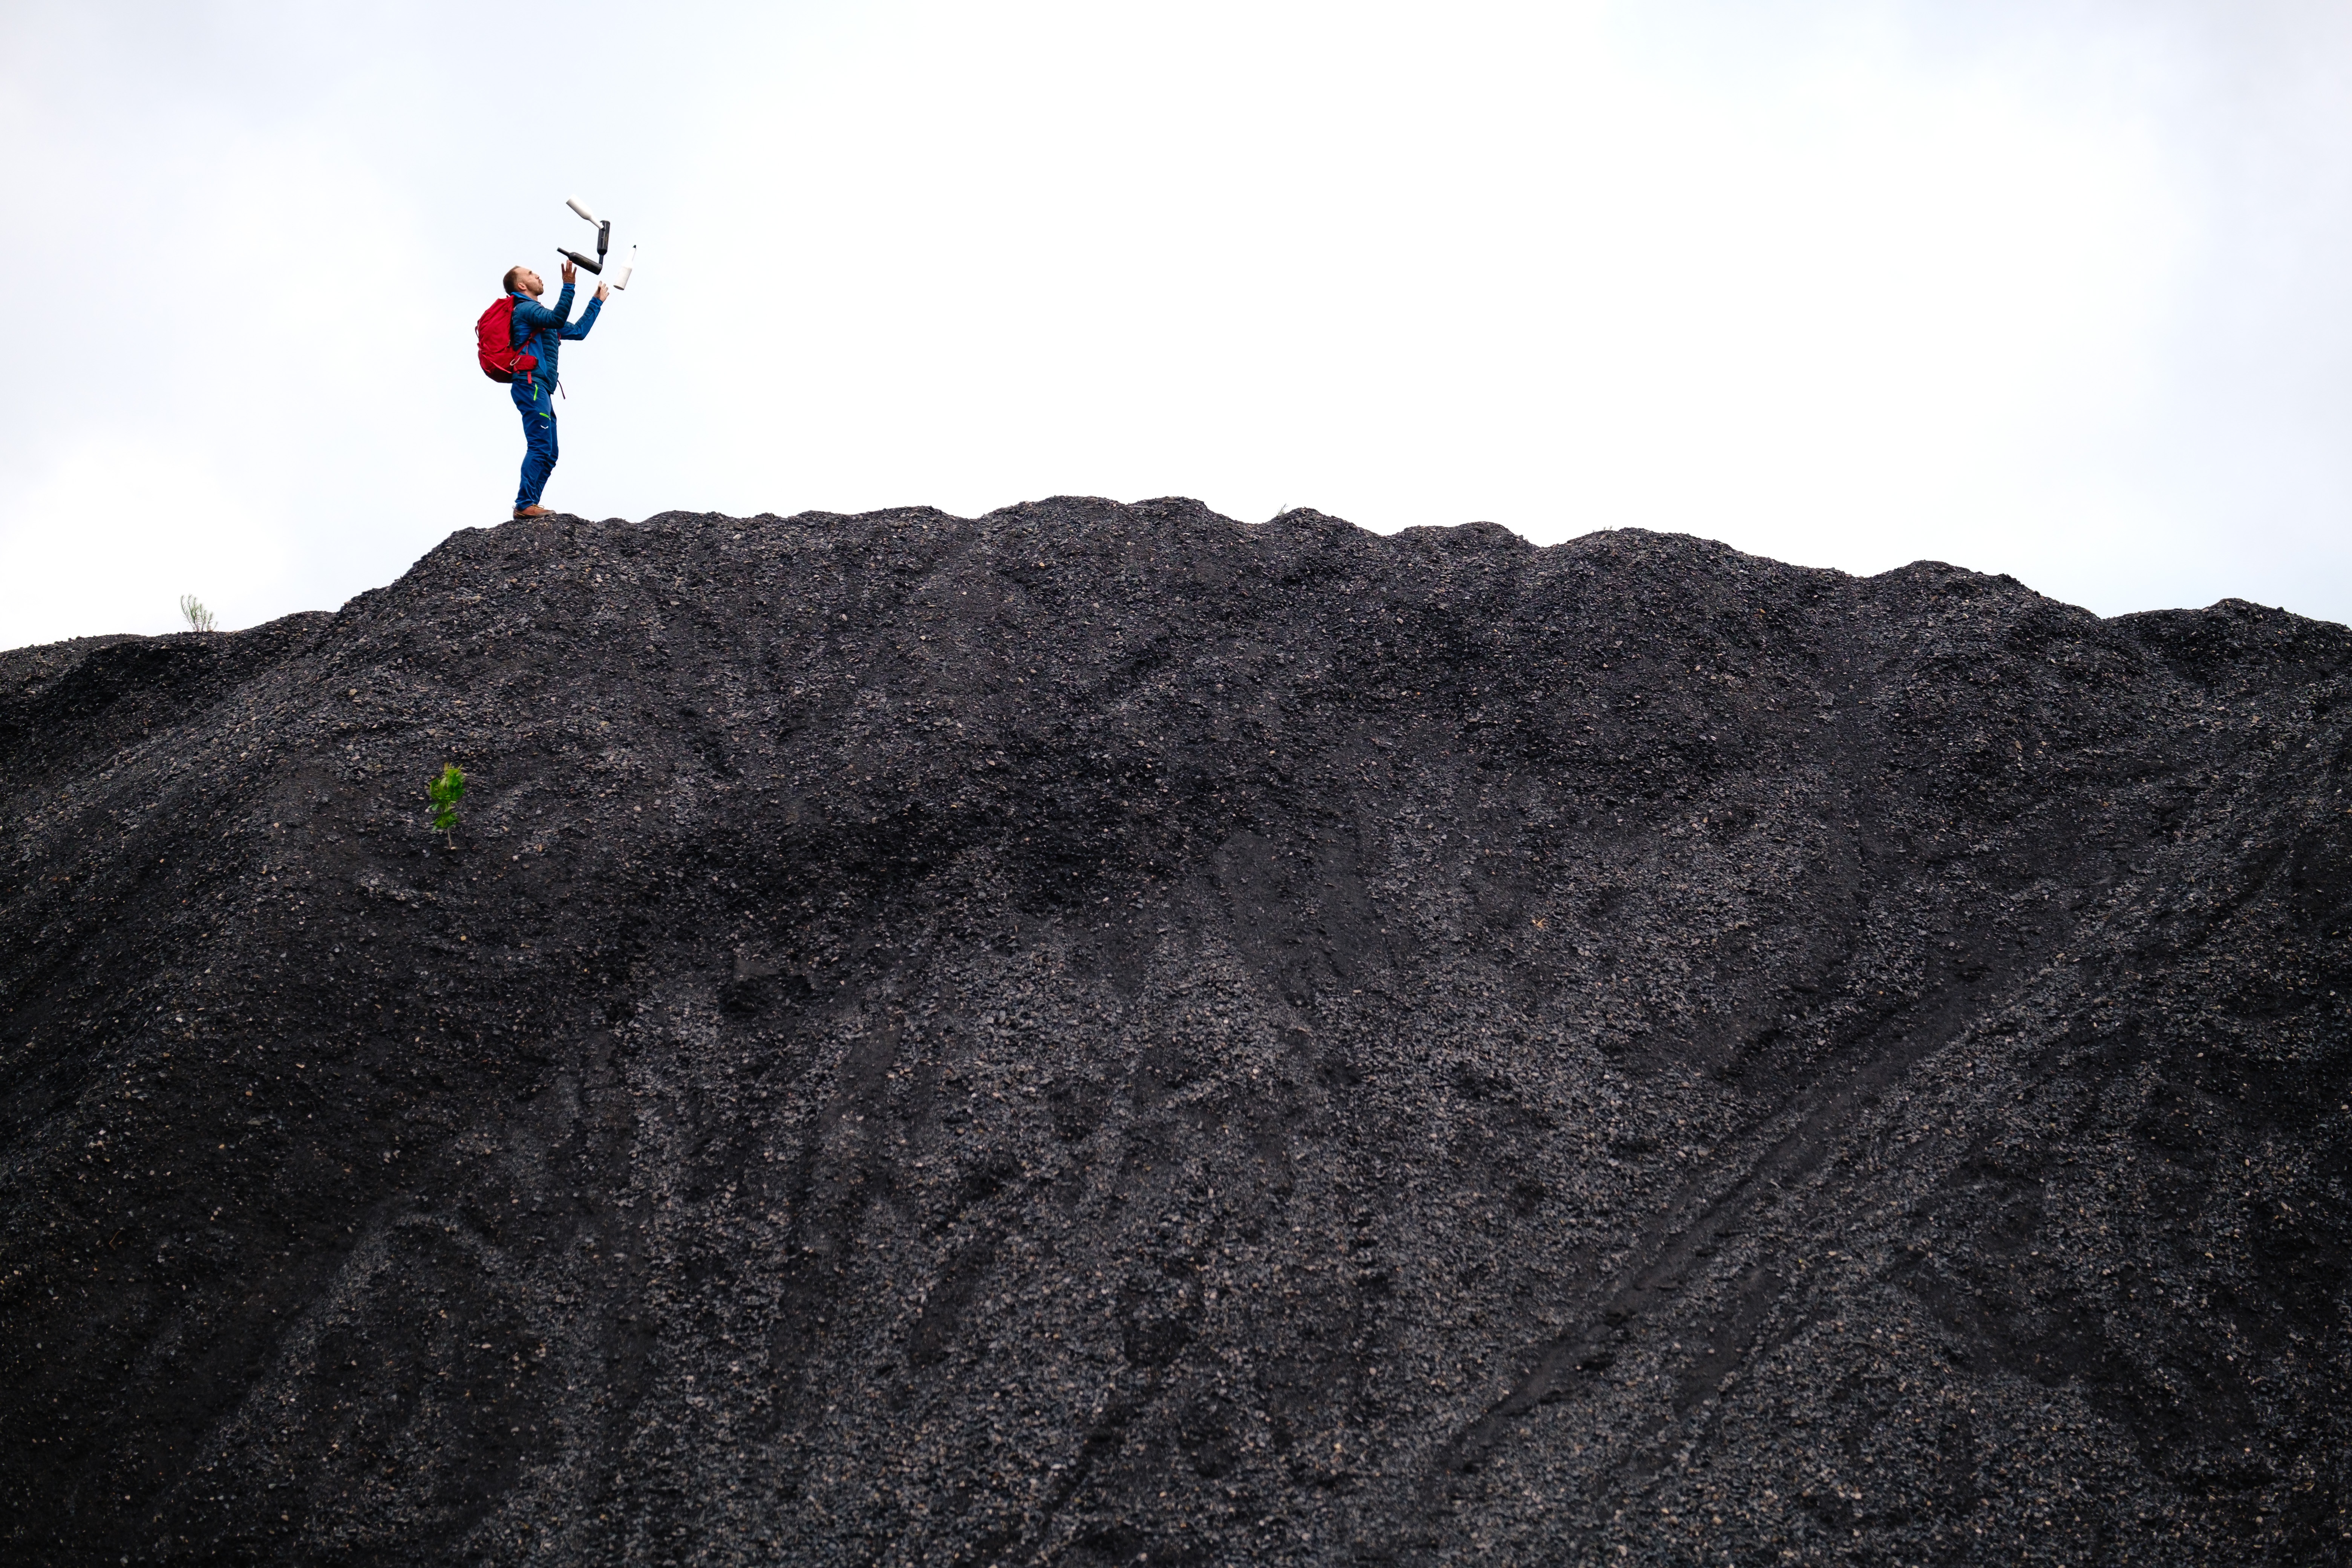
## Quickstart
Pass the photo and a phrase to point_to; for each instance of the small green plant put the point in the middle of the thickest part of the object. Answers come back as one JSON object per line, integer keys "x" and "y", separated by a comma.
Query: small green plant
{"x": 199, "y": 618}
{"x": 446, "y": 792}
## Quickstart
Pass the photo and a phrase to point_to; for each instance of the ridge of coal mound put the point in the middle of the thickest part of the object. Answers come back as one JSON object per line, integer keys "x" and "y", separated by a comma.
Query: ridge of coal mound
{"x": 1099, "y": 1033}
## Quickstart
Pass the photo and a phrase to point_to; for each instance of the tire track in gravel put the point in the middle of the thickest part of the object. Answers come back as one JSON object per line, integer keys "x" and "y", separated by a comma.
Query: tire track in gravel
{"x": 1778, "y": 1152}
{"x": 1681, "y": 1241}
{"x": 1811, "y": 1123}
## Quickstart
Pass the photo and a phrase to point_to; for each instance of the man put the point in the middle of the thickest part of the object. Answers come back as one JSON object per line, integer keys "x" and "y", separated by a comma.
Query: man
{"x": 536, "y": 330}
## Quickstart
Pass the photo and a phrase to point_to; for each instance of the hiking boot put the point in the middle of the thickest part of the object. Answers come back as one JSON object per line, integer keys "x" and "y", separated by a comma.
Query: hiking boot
{"x": 533, "y": 511}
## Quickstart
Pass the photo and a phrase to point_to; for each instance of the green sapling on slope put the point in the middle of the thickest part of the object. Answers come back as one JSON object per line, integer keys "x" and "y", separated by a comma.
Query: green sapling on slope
{"x": 446, "y": 792}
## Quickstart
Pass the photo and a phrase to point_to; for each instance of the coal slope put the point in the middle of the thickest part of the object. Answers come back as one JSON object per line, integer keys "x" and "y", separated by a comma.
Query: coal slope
{"x": 1103, "y": 1034}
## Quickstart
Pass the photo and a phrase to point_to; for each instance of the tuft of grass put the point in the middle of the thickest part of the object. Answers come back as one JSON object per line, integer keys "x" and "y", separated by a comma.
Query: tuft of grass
{"x": 446, "y": 792}
{"x": 199, "y": 618}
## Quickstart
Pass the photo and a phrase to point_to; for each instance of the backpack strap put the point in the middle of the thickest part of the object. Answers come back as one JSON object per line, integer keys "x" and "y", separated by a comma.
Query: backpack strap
{"x": 525, "y": 346}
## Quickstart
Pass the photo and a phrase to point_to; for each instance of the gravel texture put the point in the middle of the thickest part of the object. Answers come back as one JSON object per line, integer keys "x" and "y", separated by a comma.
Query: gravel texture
{"x": 1103, "y": 1034}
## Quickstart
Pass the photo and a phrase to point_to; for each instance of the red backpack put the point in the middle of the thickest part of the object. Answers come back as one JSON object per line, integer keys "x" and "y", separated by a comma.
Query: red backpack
{"x": 494, "y": 344}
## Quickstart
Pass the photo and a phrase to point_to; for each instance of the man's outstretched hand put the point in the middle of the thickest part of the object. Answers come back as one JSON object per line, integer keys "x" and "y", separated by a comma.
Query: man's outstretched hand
{"x": 570, "y": 274}
{"x": 604, "y": 291}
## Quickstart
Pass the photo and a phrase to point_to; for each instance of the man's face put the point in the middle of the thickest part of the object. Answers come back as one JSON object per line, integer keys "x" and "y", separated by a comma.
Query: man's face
{"x": 528, "y": 282}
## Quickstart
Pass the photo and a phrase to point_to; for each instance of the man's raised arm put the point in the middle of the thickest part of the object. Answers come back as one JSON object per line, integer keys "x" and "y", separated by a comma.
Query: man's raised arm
{"x": 579, "y": 329}
{"x": 534, "y": 315}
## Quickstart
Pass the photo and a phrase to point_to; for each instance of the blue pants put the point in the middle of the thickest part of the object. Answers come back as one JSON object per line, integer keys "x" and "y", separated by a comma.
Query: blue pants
{"x": 539, "y": 456}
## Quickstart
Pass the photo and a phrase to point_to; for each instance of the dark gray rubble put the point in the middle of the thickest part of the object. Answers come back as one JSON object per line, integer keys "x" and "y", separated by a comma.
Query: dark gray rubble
{"x": 1104, "y": 1035}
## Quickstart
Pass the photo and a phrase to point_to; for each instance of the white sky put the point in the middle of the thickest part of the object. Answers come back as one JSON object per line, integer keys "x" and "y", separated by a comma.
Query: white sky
{"x": 2056, "y": 288}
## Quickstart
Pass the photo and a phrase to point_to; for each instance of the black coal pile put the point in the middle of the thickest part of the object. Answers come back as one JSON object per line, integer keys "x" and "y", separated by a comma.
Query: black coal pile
{"x": 1103, "y": 1034}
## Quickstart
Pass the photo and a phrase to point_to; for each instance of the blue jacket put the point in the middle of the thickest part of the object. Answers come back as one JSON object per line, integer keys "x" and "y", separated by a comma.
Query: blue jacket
{"x": 536, "y": 330}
